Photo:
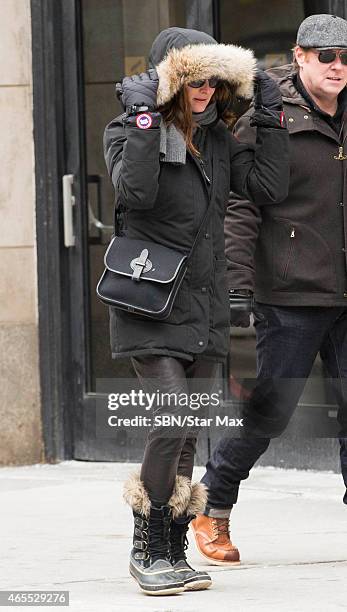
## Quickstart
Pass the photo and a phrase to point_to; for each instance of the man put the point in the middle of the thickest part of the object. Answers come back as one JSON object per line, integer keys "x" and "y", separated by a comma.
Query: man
{"x": 300, "y": 277}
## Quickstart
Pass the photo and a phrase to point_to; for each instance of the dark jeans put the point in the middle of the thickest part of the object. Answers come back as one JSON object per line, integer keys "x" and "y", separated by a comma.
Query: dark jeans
{"x": 170, "y": 451}
{"x": 288, "y": 341}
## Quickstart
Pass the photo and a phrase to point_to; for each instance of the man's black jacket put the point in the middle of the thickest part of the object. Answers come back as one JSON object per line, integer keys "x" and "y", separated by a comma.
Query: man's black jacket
{"x": 300, "y": 244}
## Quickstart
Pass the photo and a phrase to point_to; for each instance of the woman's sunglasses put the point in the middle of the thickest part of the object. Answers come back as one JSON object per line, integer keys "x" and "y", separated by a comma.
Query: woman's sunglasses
{"x": 326, "y": 56}
{"x": 213, "y": 82}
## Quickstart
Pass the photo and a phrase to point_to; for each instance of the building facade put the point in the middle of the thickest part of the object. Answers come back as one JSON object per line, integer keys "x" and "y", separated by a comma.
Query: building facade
{"x": 20, "y": 400}
{"x": 61, "y": 60}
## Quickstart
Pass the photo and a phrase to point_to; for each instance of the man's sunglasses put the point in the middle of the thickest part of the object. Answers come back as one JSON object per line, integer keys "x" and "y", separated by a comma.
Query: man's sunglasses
{"x": 213, "y": 82}
{"x": 326, "y": 56}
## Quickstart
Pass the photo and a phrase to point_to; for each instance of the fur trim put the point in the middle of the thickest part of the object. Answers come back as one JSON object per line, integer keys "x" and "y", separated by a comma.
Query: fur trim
{"x": 135, "y": 494}
{"x": 180, "y": 497}
{"x": 198, "y": 499}
{"x": 193, "y": 62}
{"x": 186, "y": 499}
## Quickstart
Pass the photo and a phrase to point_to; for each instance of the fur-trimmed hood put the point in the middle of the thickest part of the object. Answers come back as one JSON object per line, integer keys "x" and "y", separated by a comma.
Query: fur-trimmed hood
{"x": 180, "y": 55}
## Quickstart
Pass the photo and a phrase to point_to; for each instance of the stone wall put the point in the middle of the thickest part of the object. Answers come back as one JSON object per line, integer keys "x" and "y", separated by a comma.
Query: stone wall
{"x": 20, "y": 429}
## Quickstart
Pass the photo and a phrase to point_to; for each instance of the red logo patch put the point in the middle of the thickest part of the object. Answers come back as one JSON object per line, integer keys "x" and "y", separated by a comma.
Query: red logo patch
{"x": 144, "y": 121}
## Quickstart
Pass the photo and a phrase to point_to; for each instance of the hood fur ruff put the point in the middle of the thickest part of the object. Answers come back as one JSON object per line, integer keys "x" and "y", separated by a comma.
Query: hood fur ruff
{"x": 193, "y": 62}
{"x": 186, "y": 499}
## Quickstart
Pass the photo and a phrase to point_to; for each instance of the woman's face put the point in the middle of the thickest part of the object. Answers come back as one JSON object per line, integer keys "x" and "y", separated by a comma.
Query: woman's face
{"x": 200, "y": 97}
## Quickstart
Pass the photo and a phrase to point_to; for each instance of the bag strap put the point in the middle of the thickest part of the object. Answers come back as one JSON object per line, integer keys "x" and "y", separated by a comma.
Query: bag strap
{"x": 119, "y": 224}
{"x": 198, "y": 234}
{"x": 200, "y": 165}
{"x": 119, "y": 218}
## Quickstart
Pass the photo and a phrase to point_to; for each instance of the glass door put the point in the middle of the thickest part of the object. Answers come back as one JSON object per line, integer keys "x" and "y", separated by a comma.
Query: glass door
{"x": 117, "y": 37}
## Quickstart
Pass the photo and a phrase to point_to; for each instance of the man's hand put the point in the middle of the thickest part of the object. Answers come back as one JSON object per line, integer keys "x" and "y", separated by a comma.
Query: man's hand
{"x": 139, "y": 90}
{"x": 241, "y": 306}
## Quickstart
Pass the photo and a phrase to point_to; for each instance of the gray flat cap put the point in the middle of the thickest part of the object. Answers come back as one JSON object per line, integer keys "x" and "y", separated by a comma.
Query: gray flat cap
{"x": 323, "y": 31}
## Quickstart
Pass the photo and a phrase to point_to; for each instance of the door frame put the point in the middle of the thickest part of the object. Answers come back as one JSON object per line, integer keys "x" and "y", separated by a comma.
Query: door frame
{"x": 52, "y": 261}
{"x": 58, "y": 110}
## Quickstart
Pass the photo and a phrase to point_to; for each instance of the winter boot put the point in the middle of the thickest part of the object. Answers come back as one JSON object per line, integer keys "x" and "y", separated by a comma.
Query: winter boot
{"x": 193, "y": 580}
{"x": 149, "y": 559}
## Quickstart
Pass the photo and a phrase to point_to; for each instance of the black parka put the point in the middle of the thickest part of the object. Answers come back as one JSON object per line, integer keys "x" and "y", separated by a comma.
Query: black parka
{"x": 166, "y": 203}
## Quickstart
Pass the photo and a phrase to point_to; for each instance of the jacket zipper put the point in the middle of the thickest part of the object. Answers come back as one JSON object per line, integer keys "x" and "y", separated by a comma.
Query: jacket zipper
{"x": 341, "y": 156}
{"x": 200, "y": 165}
{"x": 208, "y": 180}
{"x": 292, "y": 237}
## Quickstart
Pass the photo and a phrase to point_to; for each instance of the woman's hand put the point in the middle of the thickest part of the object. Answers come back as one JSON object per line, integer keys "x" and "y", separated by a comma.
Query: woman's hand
{"x": 266, "y": 92}
{"x": 139, "y": 90}
{"x": 268, "y": 104}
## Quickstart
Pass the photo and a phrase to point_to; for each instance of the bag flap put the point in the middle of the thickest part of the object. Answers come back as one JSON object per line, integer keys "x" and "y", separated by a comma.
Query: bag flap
{"x": 157, "y": 263}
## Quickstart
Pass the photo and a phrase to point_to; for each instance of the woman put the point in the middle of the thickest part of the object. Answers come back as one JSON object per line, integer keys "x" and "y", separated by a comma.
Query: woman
{"x": 171, "y": 157}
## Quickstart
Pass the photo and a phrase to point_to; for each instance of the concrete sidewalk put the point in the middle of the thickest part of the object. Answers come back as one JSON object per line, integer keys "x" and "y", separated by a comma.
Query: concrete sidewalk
{"x": 66, "y": 527}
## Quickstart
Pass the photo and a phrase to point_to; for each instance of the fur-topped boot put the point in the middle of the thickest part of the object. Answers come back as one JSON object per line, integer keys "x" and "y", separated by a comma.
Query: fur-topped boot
{"x": 150, "y": 556}
{"x": 193, "y": 580}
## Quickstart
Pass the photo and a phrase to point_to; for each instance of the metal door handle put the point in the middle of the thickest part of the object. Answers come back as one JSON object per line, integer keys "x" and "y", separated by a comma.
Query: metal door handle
{"x": 68, "y": 201}
{"x": 96, "y": 222}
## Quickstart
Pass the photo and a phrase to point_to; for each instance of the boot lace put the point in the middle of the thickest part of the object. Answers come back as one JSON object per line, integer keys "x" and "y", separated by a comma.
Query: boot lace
{"x": 221, "y": 528}
{"x": 158, "y": 535}
{"x": 178, "y": 541}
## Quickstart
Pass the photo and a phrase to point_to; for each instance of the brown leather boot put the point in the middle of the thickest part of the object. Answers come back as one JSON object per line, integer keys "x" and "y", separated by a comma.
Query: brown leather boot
{"x": 212, "y": 538}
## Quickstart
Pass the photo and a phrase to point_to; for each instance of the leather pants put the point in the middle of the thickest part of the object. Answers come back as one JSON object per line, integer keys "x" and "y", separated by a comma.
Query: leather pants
{"x": 170, "y": 451}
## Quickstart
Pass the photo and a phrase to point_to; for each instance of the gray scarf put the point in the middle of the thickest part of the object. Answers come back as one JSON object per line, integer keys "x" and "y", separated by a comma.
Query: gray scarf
{"x": 208, "y": 116}
{"x": 172, "y": 144}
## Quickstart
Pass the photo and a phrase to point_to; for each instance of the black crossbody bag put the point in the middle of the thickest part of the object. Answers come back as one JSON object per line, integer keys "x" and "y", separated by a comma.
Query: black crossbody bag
{"x": 143, "y": 277}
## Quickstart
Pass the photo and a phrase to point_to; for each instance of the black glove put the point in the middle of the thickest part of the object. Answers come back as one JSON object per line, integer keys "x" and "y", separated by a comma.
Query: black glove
{"x": 266, "y": 92}
{"x": 241, "y": 306}
{"x": 268, "y": 103}
{"x": 139, "y": 92}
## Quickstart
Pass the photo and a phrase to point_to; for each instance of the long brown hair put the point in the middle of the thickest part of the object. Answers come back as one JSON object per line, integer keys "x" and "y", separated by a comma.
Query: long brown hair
{"x": 179, "y": 111}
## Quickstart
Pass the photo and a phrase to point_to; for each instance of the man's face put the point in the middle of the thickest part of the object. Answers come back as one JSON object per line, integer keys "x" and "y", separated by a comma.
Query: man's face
{"x": 322, "y": 80}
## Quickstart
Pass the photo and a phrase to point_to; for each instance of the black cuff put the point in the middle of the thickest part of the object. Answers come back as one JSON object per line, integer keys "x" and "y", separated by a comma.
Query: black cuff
{"x": 241, "y": 299}
{"x": 265, "y": 117}
{"x": 139, "y": 108}
{"x": 244, "y": 292}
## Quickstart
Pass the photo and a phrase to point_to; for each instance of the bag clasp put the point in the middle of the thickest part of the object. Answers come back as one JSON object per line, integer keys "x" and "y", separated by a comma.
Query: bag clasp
{"x": 139, "y": 265}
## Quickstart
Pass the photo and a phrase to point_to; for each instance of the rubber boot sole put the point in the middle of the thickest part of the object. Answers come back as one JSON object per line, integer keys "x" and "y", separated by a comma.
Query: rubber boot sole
{"x": 198, "y": 585}
{"x": 160, "y": 591}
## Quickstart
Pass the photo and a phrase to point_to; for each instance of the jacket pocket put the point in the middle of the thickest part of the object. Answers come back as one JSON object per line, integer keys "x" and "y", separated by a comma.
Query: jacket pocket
{"x": 301, "y": 259}
{"x": 220, "y": 303}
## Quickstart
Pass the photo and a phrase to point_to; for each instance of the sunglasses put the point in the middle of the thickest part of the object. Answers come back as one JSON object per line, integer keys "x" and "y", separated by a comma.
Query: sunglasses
{"x": 213, "y": 82}
{"x": 326, "y": 56}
